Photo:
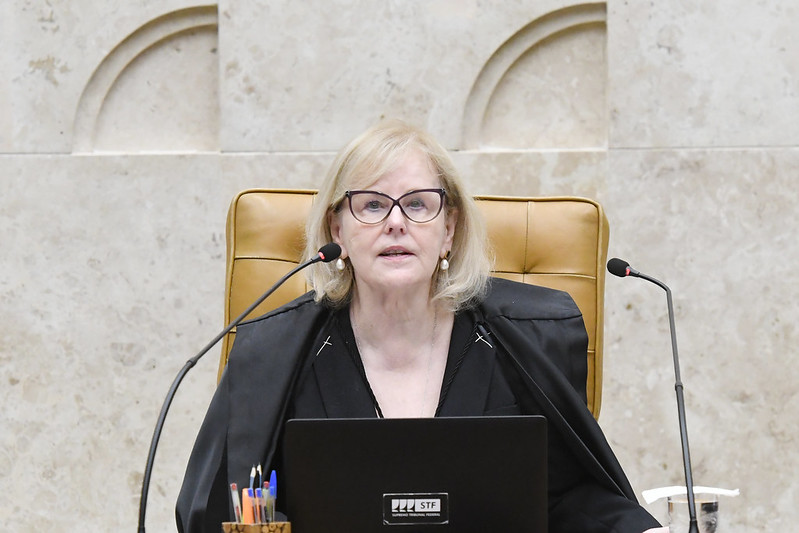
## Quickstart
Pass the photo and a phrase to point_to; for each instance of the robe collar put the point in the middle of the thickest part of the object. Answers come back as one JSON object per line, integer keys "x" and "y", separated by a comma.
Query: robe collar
{"x": 464, "y": 389}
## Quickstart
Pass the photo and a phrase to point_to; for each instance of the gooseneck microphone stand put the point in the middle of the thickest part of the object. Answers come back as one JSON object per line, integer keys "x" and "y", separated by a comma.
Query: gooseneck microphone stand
{"x": 327, "y": 253}
{"x": 622, "y": 269}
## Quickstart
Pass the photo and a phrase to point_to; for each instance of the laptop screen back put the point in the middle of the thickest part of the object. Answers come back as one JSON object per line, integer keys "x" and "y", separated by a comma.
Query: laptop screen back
{"x": 421, "y": 475}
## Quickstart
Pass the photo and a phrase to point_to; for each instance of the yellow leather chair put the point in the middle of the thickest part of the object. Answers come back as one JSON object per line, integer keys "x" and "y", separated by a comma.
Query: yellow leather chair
{"x": 558, "y": 242}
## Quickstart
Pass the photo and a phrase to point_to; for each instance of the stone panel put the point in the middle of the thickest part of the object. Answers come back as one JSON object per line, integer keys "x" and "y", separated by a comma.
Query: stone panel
{"x": 533, "y": 173}
{"x": 6, "y": 122}
{"x": 719, "y": 228}
{"x": 296, "y": 82}
{"x": 52, "y": 49}
{"x": 703, "y": 73}
{"x": 554, "y": 95}
{"x": 157, "y": 90}
{"x": 544, "y": 86}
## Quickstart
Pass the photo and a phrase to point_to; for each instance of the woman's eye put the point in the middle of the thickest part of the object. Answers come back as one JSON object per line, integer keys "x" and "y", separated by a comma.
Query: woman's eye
{"x": 373, "y": 205}
{"x": 415, "y": 203}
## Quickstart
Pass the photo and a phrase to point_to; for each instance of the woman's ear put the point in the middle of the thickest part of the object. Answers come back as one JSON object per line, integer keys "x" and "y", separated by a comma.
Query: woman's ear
{"x": 334, "y": 223}
{"x": 449, "y": 228}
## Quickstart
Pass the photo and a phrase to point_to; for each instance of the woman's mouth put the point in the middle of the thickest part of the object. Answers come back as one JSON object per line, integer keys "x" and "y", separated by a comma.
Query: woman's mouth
{"x": 394, "y": 253}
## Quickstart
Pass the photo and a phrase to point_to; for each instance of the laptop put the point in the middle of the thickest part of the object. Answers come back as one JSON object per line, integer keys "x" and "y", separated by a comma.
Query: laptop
{"x": 426, "y": 475}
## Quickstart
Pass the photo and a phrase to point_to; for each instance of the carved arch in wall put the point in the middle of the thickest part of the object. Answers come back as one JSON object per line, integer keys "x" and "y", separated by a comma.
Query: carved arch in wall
{"x": 516, "y": 87}
{"x": 108, "y": 116}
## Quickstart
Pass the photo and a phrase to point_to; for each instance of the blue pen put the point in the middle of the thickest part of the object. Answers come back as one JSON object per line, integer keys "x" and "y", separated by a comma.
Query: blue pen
{"x": 272, "y": 495}
{"x": 259, "y": 498}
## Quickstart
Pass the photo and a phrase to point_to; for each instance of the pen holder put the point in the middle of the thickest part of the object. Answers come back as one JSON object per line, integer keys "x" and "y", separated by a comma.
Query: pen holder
{"x": 271, "y": 527}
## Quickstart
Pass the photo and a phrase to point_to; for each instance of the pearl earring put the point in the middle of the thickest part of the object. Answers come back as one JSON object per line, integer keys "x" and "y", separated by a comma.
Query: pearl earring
{"x": 340, "y": 266}
{"x": 444, "y": 264}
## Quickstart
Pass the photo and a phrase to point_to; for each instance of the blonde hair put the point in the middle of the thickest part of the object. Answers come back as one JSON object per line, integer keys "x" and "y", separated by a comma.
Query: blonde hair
{"x": 363, "y": 161}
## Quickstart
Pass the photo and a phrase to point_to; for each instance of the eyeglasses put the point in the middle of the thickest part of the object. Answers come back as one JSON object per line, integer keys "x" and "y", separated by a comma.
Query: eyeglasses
{"x": 372, "y": 207}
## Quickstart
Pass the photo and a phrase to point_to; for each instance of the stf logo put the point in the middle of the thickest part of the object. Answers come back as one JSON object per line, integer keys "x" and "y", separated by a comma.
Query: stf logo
{"x": 416, "y": 505}
{"x": 415, "y": 508}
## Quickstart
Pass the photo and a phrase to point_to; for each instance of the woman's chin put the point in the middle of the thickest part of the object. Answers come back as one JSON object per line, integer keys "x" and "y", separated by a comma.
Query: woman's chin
{"x": 402, "y": 280}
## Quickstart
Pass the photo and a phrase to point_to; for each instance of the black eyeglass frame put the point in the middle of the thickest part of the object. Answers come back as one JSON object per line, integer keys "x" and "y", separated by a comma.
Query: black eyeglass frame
{"x": 396, "y": 203}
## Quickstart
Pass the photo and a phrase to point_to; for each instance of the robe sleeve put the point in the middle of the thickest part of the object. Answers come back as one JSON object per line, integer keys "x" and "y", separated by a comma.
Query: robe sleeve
{"x": 266, "y": 355}
{"x": 201, "y": 505}
{"x": 546, "y": 342}
{"x": 591, "y": 508}
{"x": 579, "y": 502}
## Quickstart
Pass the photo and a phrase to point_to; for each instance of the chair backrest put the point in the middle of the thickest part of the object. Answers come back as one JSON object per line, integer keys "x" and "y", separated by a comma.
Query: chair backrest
{"x": 558, "y": 242}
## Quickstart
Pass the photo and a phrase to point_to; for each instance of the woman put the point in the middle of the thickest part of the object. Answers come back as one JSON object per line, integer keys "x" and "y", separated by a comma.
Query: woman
{"x": 408, "y": 324}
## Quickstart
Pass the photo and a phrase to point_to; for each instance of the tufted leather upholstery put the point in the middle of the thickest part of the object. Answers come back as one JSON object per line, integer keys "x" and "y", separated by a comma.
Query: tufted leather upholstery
{"x": 558, "y": 242}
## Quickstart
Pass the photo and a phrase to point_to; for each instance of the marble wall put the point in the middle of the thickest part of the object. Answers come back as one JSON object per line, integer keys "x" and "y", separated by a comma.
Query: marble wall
{"x": 126, "y": 128}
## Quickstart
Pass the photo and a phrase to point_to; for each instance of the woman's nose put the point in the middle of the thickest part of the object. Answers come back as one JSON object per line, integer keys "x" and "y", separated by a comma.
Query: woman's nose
{"x": 396, "y": 220}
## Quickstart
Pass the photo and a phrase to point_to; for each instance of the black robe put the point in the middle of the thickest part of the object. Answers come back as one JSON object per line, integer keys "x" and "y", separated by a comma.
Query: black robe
{"x": 536, "y": 365}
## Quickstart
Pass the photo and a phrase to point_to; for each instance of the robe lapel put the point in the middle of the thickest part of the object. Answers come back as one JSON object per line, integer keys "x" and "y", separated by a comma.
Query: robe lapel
{"x": 261, "y": 373}
{"x": 343, "y": 391}
{"x": 468, "y": 392}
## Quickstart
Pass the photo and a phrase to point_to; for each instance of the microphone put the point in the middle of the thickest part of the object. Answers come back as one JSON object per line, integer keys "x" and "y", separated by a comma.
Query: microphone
{"x": 328, "y": 252}
{"x": 621, "y": 268}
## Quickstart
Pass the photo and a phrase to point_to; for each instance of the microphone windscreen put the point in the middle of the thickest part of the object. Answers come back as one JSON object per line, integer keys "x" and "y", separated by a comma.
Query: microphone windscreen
{"x": 330, "y": 252}
{"x": 618, "y": 267}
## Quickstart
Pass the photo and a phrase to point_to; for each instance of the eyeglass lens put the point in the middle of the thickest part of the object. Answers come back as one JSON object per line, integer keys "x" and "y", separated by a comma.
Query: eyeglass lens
{"x": 371, "y": 207}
